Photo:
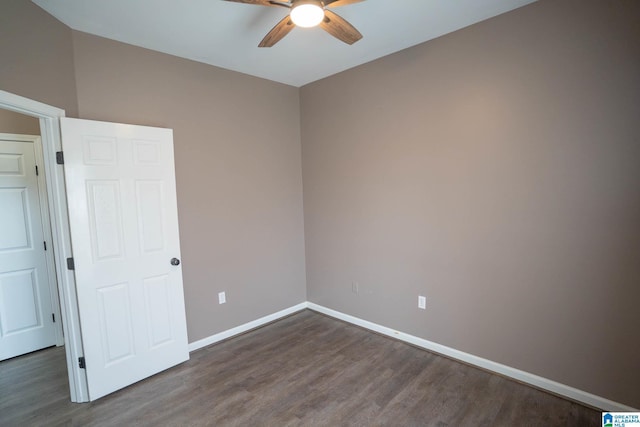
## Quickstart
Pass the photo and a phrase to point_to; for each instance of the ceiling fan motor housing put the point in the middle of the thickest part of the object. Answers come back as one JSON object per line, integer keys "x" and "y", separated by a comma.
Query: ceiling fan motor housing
{"x": 296, "y": 3}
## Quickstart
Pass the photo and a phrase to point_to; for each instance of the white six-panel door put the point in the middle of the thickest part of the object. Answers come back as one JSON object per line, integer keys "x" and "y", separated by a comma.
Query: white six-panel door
{"x": 124, "y": 231}
{"x": 26, "y": 322}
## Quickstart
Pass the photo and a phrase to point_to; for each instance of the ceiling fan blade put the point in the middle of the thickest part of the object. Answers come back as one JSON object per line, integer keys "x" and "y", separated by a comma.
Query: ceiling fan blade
{"x": 339, "y": 28}
{"x": 262, "y": 2}
{"x": 278, "y": 32}
{"x": 337, "y": 3}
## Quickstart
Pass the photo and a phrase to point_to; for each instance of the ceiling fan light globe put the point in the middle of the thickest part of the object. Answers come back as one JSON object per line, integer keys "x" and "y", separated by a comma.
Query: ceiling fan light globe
{"x": 307, "y": 15}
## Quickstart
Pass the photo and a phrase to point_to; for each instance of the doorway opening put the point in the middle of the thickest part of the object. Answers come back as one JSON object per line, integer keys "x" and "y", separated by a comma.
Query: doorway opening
{"x": 48, "y": 117}
{"x": 30, "y": 312}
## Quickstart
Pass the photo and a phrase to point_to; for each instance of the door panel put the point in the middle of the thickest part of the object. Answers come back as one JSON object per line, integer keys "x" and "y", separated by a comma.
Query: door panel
{"x": 149, "y": 204}
{"x": 26, "y": 323}
{"x": 20, "y": 289}
{"x": 156, "y": 292}
{"x": 124, "y": 230}
{"x": 105, "y": 220}
{"x": 14, "y": 228}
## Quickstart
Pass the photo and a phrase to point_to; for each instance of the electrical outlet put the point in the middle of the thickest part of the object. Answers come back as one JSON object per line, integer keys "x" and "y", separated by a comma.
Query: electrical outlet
{"x": 222, "y": 297}
{"x": 422, "y": 302}
{"x": 355, "y": 288}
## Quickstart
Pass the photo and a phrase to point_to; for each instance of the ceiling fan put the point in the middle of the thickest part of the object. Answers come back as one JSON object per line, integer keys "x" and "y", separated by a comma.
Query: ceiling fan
{"x": 308, "y": 13}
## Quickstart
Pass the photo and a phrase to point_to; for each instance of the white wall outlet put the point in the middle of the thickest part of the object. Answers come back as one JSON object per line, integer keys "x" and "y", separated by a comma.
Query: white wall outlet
{"x": 355, "y": 287}
{"x": 222, "y": 297}
{"x": 422, "y": 302}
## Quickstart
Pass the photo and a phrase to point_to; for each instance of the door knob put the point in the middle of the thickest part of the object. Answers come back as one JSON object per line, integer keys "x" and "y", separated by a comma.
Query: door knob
{"x": 175, "y": 261}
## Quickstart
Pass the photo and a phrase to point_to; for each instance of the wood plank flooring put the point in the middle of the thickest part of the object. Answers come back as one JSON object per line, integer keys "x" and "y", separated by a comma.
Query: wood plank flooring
{"x": 304, "y": 370}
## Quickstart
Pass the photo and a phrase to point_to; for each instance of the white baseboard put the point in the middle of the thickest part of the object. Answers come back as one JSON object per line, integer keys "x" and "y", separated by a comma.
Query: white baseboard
{"x": 246, "y": 327}
{"x": 507, "y": 371}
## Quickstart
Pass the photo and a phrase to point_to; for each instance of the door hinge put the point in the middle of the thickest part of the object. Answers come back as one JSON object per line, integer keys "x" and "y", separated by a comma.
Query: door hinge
{"x": 45, "y": 245}
{"x": 70, "y": 264}
{"x": 53, "y": 316}
{"x": 81, "y": 363}
{"x": 37, "y": 170}
{"x": 59, "y": 158}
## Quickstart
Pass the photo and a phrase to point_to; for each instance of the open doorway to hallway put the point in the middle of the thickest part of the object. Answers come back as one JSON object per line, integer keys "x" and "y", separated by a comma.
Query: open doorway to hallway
{"x": 30, "y": 317}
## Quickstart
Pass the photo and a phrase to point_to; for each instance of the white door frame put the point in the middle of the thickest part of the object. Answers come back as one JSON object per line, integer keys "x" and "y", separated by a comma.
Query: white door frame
{"x": 51, "y": 143}
{"x": 36, "y": 140}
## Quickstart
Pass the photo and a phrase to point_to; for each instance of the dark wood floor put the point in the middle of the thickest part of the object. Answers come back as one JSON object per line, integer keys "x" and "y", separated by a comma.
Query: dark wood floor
{"x": 307, "y": 370}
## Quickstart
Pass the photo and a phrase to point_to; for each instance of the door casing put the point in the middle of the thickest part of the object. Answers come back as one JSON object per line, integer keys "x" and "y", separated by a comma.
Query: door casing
{"x": 56, "y": 196}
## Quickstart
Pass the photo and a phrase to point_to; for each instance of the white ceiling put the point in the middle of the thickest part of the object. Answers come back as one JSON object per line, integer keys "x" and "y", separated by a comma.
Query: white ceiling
{"x": 226, "y": 34}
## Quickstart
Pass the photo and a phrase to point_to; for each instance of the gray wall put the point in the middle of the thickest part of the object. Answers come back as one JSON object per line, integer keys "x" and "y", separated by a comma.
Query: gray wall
{"x": 238, "y": 173}
{"x": 17, "y": 123}
{"x": 37, "y": 56}
{"x": 495, "y": 170}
